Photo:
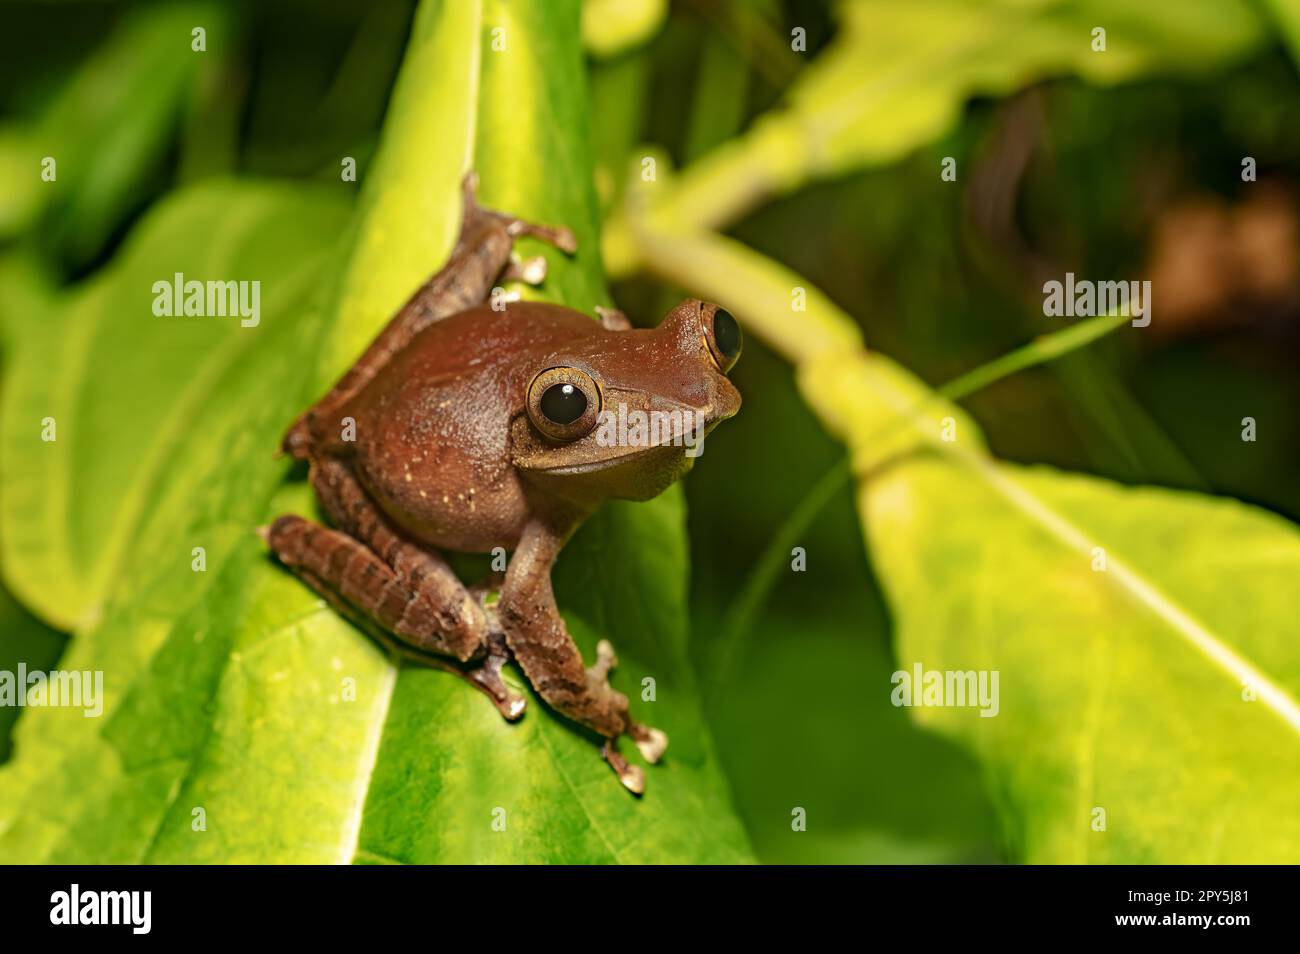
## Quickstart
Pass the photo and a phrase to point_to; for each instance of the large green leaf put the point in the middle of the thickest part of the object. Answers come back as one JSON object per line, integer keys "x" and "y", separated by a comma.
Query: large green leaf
{"x": 123, "y": 387}
{"x": 1159, "y": 686}
{"x": 623, "y": 576}
{"x": 161, "y": 448}
{"x": 236, "y": 691}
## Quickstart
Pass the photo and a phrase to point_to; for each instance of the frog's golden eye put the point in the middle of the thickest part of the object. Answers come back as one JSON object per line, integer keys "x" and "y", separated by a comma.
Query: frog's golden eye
{"x": 722, "y": 332}
{"x": 563, "y": 403}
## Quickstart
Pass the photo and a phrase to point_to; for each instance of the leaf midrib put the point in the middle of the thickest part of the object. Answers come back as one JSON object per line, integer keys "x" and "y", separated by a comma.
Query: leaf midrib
{"x": 1135, "y": 585}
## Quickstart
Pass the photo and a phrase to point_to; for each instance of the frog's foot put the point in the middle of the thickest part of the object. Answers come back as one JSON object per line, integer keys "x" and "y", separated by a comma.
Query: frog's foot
{"x": 484, "y": 676}
{"x": 558, "y": 235}
{"x": 487, "y": 677}
{"x": 631, "y": 776}
{"x": 561, "y": 236}
{"x": 530, "y": 271}
{"x": 650, "y": 741}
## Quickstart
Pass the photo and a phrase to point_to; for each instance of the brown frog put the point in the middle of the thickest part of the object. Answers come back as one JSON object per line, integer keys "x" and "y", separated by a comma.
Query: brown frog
{"x": 470, "y": 427}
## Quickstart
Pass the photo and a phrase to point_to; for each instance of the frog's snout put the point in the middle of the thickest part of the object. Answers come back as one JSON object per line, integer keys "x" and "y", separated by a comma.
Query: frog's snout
{"x": 724, "y": 401}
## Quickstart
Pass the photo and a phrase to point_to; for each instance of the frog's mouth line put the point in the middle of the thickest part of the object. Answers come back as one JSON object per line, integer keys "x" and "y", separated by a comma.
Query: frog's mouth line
{"x": 617, "y": 449}
{"x": 627, "y": 455}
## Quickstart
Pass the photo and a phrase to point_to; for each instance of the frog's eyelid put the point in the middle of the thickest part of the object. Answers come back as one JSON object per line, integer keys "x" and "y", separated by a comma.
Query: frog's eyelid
{"x": 562, "y": 363}
{"x": 707, "y": 347}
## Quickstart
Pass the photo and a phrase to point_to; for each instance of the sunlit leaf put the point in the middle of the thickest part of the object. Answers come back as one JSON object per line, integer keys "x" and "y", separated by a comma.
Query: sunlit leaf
{"x": 245, "y": 721}
{"x": 1143, "y": 639}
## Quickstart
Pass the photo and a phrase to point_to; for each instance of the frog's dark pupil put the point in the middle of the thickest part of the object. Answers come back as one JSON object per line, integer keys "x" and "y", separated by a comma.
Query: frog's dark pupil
{"x": 563, "y": 403}
{"x": 726, "y": 333}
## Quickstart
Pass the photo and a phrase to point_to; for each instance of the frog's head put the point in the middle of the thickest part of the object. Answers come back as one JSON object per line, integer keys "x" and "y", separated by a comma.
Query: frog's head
{"x": 625, "y": 413}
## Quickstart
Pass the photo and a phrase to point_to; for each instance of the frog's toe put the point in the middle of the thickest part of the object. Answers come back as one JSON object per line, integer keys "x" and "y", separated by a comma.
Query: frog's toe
{"x": 487, "y": 677}
{"x": 561, "y": 236}
{"x": 631, "y": 776}
{"x": 558, "y": 235}
{"x": 650, "y": 741}
{"x": 611, "y": 319}
{"x": 606, "y": 660}
{"x": 633, "y": 779}
{"x": 530, "y": 271}
{"x": 509, "y": 703}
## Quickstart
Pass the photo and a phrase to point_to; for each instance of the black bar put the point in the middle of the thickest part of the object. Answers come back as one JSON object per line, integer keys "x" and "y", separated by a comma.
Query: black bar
{"x": 436, "y": 904}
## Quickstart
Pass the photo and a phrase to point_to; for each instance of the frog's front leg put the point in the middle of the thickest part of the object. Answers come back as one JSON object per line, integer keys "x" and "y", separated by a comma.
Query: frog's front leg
{"x": 546, "y": 652}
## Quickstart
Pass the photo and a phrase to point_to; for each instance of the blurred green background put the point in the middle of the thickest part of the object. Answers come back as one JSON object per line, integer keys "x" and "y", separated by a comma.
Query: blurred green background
{"x": 1133, "y": 179}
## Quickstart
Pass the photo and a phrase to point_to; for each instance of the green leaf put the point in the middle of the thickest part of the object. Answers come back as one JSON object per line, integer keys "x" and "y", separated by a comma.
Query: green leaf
{"x": 434, "y": 790}
{"x": 236, "y": 691}
{"x": 622, "y": 577}
{"x": 128, "y": 386}
{"x": 23, "y": 640}
{"x": 611, "y": 27}
{"x": 107, "y": 130}
{"x": 162, "y": 434}
{"x": 1286, "y": 16}
{"x": 1161, "y": 689}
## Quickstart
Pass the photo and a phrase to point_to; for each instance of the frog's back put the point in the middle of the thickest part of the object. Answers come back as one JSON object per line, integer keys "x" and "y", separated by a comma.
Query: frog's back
{"x": 483, "y": 338}
{"x": 432, "y": 427}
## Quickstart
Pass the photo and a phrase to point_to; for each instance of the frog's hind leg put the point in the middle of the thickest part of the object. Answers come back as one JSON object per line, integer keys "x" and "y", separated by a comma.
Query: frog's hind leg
{"x": 457, "y": 619}
{"x": 465, "y": 626}
{"x": 354, "y": 580}
{"x": 481, "y": 256}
